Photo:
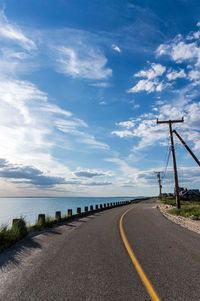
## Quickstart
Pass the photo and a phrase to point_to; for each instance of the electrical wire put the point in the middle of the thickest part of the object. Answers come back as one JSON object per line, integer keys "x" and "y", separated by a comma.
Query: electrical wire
{"x": 166, "y": 154}
{"x": 167, "y": 162}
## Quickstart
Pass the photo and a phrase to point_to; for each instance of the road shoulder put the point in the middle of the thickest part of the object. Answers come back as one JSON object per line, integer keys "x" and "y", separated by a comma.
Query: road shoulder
{"x": 192, "y": 225}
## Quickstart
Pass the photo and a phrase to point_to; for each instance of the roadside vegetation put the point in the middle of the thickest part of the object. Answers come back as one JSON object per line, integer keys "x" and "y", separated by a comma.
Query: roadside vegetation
{"x": 189, "y": 208}
{"x": 9, "y": 236}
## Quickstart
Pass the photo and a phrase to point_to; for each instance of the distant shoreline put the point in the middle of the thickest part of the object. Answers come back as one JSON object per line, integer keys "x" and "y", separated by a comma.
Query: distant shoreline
{"x": 61, "y": 197}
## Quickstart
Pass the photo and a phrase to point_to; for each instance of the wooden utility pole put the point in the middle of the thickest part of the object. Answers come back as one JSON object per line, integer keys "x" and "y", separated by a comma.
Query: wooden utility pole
{"x": 174, "y": 159}
{"x": 160, "y": 186}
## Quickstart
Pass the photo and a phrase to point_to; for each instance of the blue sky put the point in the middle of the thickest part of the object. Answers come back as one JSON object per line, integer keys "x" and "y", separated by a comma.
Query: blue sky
{"x": 81, "y": 86}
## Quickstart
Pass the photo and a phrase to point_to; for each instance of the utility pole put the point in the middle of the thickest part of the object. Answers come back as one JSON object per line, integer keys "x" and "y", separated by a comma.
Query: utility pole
{"x": 174, "y": 158}
{"x": 160, "y": 186}
{"x": 187, "y": 147}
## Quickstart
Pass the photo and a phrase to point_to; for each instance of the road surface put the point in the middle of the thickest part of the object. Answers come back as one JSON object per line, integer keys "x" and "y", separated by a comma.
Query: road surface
{"x": 87, "y": 260}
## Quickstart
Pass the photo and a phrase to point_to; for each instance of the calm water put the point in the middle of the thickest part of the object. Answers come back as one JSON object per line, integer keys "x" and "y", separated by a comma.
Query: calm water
{"x": 29, "y": 208}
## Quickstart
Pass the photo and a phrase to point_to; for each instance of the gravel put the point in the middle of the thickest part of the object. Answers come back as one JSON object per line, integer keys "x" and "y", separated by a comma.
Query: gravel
{"x": 193, "y": 225}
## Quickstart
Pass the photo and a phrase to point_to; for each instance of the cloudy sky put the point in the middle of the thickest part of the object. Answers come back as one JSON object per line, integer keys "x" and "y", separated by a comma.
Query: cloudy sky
{"x": 81, "y": 86}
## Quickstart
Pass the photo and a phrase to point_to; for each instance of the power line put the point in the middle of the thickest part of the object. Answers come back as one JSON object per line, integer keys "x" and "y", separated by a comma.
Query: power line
{"x": 167, "y": 162}
{"x": 166, "y": 155}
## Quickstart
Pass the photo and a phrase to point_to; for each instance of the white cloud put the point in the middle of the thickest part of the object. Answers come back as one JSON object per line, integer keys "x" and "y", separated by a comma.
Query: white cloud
{"x": 32, "y": 130}
{"x": 123, "y": 134}
{"x": 28, "y": 123}
{"x": 92, "y": 142}
{"x": 180, "y": 51}
{"x": 155, "y": 71}
{"x": 13, "y": 32}
{"x": 116, "y": 48}
{"x": 85, "y": 62}
{"x": 194, "y": 76}
{"x": 90, "y": 173}
{"x": 145, "y": 85}
{"x": 13, "y": 62}
{"x": 127, "y": 173}
{"x": 149, "y": 133}
{"x": 188, "y": 176}
{"x": 51, "y": 108}
{"x": 150, "y": 83}
{"x": 69, "y": 126}
{"x": 173, "y": 74}
{"x": 24, "y": 131}
{"x": 193, "y": 36}
{"x": 127, "y": 124}
{"x": 159, "y": 102}
{"x": 159, "y": 87}
{"x": 100, "y": 85}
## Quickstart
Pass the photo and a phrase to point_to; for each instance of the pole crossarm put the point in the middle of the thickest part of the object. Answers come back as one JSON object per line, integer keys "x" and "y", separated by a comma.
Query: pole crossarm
{"x": 170, "y": 121}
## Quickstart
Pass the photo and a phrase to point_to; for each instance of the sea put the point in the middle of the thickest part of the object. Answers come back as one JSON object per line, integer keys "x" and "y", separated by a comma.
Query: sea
{"x": 30, "y": 207}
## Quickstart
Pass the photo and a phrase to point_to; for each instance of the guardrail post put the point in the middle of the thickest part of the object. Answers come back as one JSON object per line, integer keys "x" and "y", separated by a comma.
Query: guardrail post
{"x": 104, "y": 205}
{"x": 79, "y": 210}
{"x": 86, "y": 208}
{"x": 69, "y": 212}
{"x": 58, "y": 216}
{"x": 15, "y": 221}
{"x": 101, "y": 206}
{"x": 41, "y": 219}
{"x": 91, "y": 208}
{"x": 96, "y": 207}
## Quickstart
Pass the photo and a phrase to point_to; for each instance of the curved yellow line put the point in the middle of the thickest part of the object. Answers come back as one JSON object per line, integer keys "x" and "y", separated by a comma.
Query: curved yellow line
{"x": 135, "y": 262}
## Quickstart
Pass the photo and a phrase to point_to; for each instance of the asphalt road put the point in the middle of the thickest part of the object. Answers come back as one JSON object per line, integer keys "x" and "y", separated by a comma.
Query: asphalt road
{"x": 87, "y": 260}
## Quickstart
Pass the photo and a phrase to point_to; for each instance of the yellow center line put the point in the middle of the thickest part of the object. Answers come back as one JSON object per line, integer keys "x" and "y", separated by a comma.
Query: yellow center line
{"x": 135, "y": 262}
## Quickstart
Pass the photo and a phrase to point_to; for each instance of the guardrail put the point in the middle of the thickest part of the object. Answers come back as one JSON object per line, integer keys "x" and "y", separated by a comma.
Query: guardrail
{"x": 19, "y": 229}
{"x": 88, "y": 210}
{"x": 79, "y": 213}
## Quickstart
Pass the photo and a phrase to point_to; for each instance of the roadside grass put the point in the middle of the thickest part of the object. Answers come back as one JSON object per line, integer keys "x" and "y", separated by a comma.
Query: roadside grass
{"x": 9, "y": 236}
{"x": 189, "y": 208}
{"x": 192, "y": 211}
{"x": 19, "y": 229}
{"x": 169, "y": 200}
{"x": 49, "y": 222}
{"x": 64, "y": 218}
